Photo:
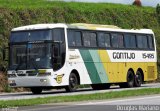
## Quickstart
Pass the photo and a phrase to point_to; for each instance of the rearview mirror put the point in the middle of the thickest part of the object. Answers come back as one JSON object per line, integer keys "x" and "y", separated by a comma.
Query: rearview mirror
{"x": 5, "y": 54}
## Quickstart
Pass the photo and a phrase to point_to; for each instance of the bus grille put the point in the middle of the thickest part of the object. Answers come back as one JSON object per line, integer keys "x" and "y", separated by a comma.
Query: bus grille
{"x": 31, "y": 73}
{"x": 21, "y": 74}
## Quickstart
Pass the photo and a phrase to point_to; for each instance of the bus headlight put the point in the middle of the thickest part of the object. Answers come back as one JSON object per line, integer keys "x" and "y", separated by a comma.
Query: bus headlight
{"x": 12, "y": 82}
{"x": 43, "y": 80}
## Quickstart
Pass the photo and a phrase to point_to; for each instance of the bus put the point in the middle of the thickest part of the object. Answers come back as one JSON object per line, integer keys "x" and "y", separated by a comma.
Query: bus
{"x": 44, "y": 56}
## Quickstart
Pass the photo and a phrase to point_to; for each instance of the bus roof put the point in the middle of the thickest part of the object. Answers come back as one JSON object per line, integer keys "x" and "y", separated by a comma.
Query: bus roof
{"x": 82, "y": 26}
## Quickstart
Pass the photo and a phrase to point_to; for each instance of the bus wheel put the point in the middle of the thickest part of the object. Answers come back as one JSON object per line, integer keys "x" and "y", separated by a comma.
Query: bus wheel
{"x": 130, "y": 81}
{"x": 73, "y": 83}
{"x": 36, "y": 90}
{"x": 138, "y": 79}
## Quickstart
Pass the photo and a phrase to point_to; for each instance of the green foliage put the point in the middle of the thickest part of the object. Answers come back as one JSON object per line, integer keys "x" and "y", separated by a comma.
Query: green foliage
{"x": 158, "y": 9}
{"x": 7, "y": 88}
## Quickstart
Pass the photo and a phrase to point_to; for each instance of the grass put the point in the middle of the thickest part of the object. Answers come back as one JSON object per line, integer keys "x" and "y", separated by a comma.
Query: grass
{"x": 73, "y": 98}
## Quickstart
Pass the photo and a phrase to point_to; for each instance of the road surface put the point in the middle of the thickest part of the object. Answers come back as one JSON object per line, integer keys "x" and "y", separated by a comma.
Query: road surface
{"x": 28, "y": 95}
{"x": 140, "y": 103}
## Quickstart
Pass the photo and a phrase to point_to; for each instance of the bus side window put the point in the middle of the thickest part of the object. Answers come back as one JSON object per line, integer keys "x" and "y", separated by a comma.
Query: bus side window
{"x": 86, "y": 39}
{"x": 59, "y": 48}
{"x": 74, "y": 38}
{"x": 142, "y": 42}
{"x": 89, "y": 39}
{"x": 71, "y": 38}
{"x": 117, "y": 40}
{"x": 78, "y": 39}
{"x": 150, "y": 42}
{"x": 130, "y": 41}
{"x": 103, "y": 40}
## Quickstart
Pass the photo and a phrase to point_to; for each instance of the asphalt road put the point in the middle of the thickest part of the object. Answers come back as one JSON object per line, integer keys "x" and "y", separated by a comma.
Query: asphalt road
{"x": 28, "y": 95}
{"x": 140, "y": 103}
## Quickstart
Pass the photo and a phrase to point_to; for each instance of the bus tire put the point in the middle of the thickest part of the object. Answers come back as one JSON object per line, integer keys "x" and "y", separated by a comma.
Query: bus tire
{"x": 138, "y": 79}
{"x": 36, "y": 90}
{"x": 73, "y": 83}
{"x": 130, "y": 80}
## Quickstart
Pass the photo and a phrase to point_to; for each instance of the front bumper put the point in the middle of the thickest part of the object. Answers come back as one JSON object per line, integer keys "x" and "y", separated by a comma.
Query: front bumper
{"x": 31, "y": 81}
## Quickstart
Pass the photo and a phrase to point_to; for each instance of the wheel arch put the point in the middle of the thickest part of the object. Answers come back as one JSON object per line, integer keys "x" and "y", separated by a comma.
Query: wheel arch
{"x": 130, "y": 69}
{"x": 77, "y": 74}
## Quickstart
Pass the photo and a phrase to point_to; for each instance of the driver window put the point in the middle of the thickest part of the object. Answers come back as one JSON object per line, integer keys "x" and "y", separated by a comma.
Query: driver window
{"x": 59, "y": 48}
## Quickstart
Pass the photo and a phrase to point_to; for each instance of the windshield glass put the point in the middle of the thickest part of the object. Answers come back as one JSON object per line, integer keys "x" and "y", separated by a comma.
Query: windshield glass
{"x": 34, "y": 35}
{"x": 18, "y": 56}
{"x": 30, "y": 56}
{"x": 37, "y": 49}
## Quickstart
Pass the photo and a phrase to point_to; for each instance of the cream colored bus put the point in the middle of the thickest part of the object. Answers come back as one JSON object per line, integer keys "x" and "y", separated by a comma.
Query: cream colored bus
{"x": 59, "y": 55}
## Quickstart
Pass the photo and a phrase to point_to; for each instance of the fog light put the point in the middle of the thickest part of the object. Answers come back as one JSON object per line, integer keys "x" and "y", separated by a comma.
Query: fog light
{"x": 43, "y": 80}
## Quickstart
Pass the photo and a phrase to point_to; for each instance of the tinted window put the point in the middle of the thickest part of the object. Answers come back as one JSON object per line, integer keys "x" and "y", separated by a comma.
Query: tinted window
{"x": 78, "y": 39}
{"x": 74, "y": 38}
{"x": 142, "y": 41}
{"x": 58, "y": 35}
{"x": 93, "y": 39}
{"x": 71, "y": 39}
{"x": 59, "y": 49}
{"x": 130, "y": 41}
{"x": 89, "y": 39}
{"x": 103, "y": 40}
{"x": 117, "y": 40}
{"x": 34, "y": 35}
{"x": 150, "y": 42}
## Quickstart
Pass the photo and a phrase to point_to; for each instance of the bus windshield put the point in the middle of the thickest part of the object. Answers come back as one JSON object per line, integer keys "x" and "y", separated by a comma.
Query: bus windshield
{"x": 31, "y": 35}
{"x": 30, "y": 56}
{"x": 29, "y": 51}
{"x": 37, "y": 49}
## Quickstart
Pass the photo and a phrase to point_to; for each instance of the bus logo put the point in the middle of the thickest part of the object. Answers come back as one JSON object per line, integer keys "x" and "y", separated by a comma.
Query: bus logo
{"x": 59, "y": 78}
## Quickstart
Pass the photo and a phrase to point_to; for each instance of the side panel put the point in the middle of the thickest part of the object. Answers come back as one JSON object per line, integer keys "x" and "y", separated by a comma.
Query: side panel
{"x": 94, "y": 66}
{"x": 111, "y": 66}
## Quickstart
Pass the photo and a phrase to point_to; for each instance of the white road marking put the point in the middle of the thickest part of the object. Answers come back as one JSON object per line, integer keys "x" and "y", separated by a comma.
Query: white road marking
{"x": 114, "y": 101}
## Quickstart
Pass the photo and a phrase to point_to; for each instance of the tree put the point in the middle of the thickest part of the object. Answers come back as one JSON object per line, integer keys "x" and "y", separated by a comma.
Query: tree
{"x": 137, "y": 3}
{"x": 158, "y": 9}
